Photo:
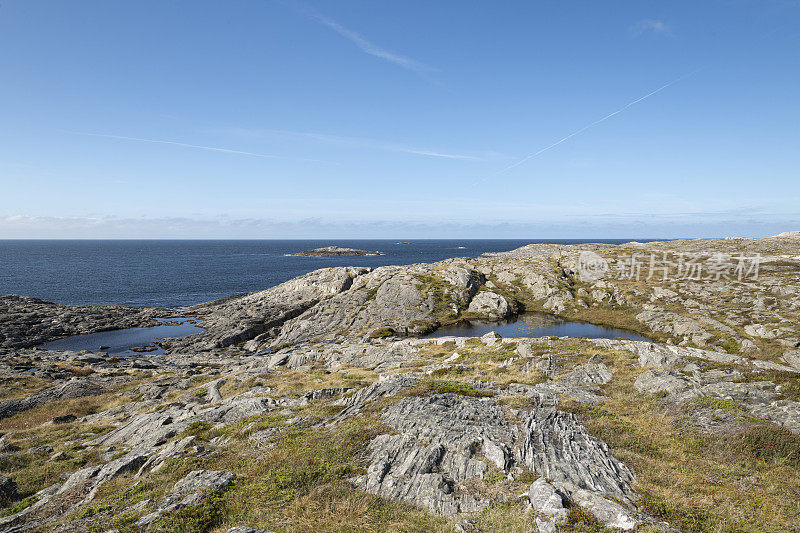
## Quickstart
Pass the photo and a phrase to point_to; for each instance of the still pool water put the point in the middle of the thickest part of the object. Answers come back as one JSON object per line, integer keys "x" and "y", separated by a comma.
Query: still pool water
{"x": 125, "y": 341}
{"x": 537, "y": 325}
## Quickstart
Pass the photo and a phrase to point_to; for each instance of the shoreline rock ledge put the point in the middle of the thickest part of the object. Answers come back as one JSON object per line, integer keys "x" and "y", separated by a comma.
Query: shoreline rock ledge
{"x": 336, "y": 251}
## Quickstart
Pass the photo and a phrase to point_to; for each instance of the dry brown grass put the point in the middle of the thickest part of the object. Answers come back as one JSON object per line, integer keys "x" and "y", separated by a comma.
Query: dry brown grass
{"x": 35, "y": 417}
{"x": 693, "y": 481}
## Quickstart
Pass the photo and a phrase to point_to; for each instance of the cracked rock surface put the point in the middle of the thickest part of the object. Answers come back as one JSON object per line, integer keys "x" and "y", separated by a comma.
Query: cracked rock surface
{"x": 445, "y": 440}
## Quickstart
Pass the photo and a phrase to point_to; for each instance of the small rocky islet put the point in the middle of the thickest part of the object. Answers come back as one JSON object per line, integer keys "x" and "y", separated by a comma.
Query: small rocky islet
{"x": 336, "y": 251}
{"x": 318, "y": 405}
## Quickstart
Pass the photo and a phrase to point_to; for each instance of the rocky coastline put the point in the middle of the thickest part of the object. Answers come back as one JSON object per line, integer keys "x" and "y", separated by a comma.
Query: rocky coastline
{"x": 317, "y": 405}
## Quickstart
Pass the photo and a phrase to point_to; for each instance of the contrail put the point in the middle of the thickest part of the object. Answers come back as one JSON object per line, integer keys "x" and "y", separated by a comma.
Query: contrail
{"x": 596, "y": 122}
{"x": 186, "y": 145}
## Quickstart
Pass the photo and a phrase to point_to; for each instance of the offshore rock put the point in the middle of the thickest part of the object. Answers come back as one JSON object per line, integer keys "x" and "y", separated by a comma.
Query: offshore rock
{"x": 335, "y": 251}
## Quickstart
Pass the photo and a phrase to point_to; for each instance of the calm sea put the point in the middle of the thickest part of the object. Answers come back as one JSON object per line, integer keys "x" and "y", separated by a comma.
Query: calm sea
{"x": 152, "y": 273}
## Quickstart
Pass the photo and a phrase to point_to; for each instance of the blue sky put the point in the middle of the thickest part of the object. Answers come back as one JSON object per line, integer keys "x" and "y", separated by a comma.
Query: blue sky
{"x": 272, "y": 119}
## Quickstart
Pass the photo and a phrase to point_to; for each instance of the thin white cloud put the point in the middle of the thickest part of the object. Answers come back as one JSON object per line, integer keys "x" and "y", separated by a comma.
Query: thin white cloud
{"x": 650, "y": 25}
{"x": 185, "y": 145}
{"x": 437, "y": 154}
{"x": 360, "y": 141}
{"x": 368, "y": 46}
{"x": 195, "y": 146}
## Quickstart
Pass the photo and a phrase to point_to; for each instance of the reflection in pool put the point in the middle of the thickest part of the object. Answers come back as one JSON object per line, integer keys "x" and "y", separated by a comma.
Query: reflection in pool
{"x": 128, "y": 341}
{"x": 537, "y": 325}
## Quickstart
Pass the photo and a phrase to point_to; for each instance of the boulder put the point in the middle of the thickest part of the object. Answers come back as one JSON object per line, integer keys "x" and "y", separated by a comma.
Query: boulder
{"x": 792, "y": 358}
{"x": 490, "y": 304}
{"x": 609, "y": 513}
{"x": 759, "y": 330}
{"x": 547, "y": 501}
{"x": 204, "y": 481}
{"x": 588, "y": 374}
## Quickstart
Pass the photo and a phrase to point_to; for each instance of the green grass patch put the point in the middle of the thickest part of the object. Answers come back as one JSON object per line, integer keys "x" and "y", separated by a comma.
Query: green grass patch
{"x": 371, "y": 293}
{"x": 381, "y": 333}
{"x": 716, "y": 404}
{"x": 200, "y": 519}
{"x": 768, "y": 443}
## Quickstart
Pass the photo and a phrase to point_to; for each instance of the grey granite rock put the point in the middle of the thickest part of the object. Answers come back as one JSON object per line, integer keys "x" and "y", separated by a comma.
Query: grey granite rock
{"x": 243, "y": 318}
{"x": 490, "y": 304}
{"x": 386, "y": 386}
{"x": 146, "y": 431}
{"x": 190, "y": 491}
{"x": 792, "y": 358}
{"x": 608, "y": 512}
{"x": 443, "y": 441}
{"x": 27, "y": 322}
{"x": 588, "y": 374}
{"x": 436, "y": 450}
{"x": 548, "y": 501}
{"x": 559, "y": 448}
{"x": 761, "y": 398}
{"x": 202, "y": 481}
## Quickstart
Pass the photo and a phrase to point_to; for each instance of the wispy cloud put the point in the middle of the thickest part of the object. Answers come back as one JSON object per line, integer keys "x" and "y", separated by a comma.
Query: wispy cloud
{"x": 357, "y": 141}
{"x": 195, "y": 146}
{"x": 650, "y": 25}
{"x": 176, "y": 143}
{"x": 368, "y": 46}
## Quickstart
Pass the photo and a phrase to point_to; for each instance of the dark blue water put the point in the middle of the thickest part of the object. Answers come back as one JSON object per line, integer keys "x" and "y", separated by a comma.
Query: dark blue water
{"x": 152, "y": 273}
{"x": 126, "y": 341}
{"x": 538, "y": 326}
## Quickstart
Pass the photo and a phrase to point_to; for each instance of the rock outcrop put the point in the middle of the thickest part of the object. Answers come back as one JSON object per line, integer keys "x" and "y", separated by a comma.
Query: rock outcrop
{"x": 445, "y": 441}
{"x": 190, "y": 491}
{"x": 27, "y": 322}
{"x": 260, "y": 315}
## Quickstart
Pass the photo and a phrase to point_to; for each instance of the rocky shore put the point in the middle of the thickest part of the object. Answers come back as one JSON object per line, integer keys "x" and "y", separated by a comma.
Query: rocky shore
{"x": 316, "y": 405}
{"x": 26, "y": 322}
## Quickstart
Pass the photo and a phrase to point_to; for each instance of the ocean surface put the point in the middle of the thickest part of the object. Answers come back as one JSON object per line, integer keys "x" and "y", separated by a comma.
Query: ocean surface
{"x": 176, "y": 273}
